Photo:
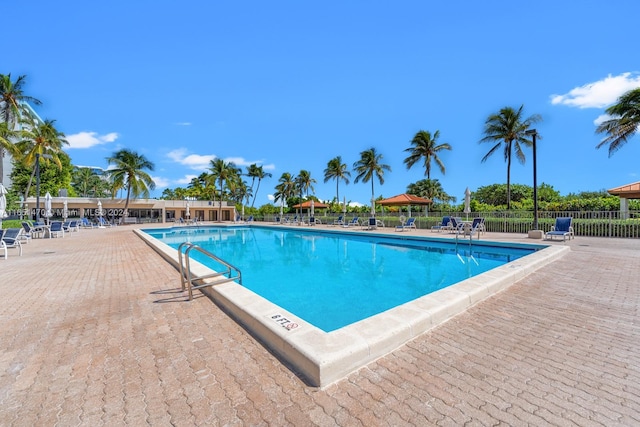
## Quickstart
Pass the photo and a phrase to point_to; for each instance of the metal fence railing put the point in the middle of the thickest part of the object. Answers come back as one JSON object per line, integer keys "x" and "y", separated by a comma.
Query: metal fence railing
{"x": 585, "y": 223}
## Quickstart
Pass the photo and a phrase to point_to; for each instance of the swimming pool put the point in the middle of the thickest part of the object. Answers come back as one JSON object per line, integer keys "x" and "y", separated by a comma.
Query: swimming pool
{"x": 332, "y": 280}
{"x": 320, "y": 358}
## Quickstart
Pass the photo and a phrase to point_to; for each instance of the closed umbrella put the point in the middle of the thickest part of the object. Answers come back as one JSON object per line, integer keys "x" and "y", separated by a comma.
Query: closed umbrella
{"x": 47, "y": 206}
{"x": 312, "y": 207}
{"x": 344, "y": 209}
{"x": 3, "y": 203}
{"x": 467, "y": 202}
{"x": 65, "y": 210}
{"x": 99, "y": 213}
{"x": 188, "y": 214}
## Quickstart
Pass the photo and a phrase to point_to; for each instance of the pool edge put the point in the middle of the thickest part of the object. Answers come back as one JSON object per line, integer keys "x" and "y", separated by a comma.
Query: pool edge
{"x": 322, "y": 358}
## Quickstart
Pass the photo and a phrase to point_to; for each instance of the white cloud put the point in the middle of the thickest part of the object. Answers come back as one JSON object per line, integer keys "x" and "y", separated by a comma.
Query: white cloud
{"x": 193, "y": 161}
{"x": 271, "y": 197}
{"x": 601, "y": 119}
{"x": 183, "y": 124}
{"x": 160, "y": 181}
{"x": 186, "y": 180}
{"x": 599, "y": 94}
{"x": 90, "y": 139}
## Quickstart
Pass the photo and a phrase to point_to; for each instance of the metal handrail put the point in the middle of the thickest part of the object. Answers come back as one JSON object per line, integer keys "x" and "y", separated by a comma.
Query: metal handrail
{"x": 187, "y": 279}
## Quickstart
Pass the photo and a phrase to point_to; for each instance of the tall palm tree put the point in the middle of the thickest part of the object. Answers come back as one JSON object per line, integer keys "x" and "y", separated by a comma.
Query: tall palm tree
{"x": 337, "y": 170}
{"x": 306, "y": 182}
{"x": 11, "y": 111}
{"x": 369, "y": 166}
{"x": 285, "y": 188}
{"x": 624, "y": 123}
{"x": 260, "y": 174}
{"x": 508, "y": 127}
{"x": 41, "y": 141}
{"x": 130, "y": 173}
{"x": 425, "y": 147}
{"x": 222, "y": 171}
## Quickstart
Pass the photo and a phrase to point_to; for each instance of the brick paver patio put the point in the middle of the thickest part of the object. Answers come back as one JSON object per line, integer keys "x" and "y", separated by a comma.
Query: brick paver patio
{"x": 94, "y": 333}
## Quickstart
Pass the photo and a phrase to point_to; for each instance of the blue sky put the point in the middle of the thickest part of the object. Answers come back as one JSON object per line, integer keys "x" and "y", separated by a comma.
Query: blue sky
{"x": 289, "y": 85}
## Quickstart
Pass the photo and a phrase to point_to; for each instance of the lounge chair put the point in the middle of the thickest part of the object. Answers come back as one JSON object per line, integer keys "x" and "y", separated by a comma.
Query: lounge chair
{"x": 85, "y": 223}
{"x": 339, "y": 221}
{"x": 455, "y": 225}
{"x": 353, "y": 222}
{"x": 10, "y": 239}
{"x": 102, "y": 223}
{"x": 562, "y": 228}
{"x": 408, "y": 225}
{"x": 444, "y": 225}
{"x": 477, "y": 226}
{"x": 371, "y": 224}
{"x": 31, "y": 231}
{"x": 248, "y": 220}
{"x": 56, "y": 229}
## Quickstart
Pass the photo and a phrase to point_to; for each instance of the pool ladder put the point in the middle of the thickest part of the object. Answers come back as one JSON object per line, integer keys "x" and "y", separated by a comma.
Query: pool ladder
{"x": 190, "y": 282}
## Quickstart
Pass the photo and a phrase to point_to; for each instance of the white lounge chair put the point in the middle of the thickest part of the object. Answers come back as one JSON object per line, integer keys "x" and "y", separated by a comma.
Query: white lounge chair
{"x": 408, "y": 225}
{"x": 9, "y": 238}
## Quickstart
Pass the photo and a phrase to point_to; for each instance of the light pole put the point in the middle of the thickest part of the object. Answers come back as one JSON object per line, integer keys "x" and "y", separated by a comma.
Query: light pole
{"x": 534, "y": 134}
{"x": 46, "y": 156}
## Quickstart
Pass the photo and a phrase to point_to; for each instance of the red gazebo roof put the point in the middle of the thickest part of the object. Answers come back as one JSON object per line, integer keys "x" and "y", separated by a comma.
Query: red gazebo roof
{"x": 403, "y": 200}
{"x": 307, "y": 204}
{"x": 629, "y": 191}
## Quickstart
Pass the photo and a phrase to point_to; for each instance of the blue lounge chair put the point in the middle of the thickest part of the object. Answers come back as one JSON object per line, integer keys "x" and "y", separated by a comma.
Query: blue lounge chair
{"x": 456, "y": 225}
{"x": 10, "y": 238}
{"x": 562, "y": 229}
{"x": 444, "y": 225}
{"x": 102, "y": 223}
{"x": 339, "y": 221}
{"x": 477, "y": 226}
{"x": 371, "y": 224}
{"x": 85, "y": 223}
{"x": 408, "y": 225}
{"x": 56, "y": 228}
{"x": 354, "y": 222}
{"x": 248, "y": 220}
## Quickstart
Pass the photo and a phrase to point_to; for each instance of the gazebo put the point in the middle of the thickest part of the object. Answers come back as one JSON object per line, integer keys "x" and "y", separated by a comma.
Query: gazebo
{"x": 404, "y": 200}
{"x": 307, "y": 205}
{"x": 626, "y": 192}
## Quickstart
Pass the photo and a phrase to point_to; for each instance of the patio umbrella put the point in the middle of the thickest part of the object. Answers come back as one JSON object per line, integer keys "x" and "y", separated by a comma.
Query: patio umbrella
{"x": 344, "y": 208}
{"x": 467, "y": 202}
{"x": 373, "y": 207}
{"x": 281, "y": 208}
{"x": 3, "y": 203}
{"x": 313, "y": 204}
{"x": 65, "y": 210}
{"x": 99, "y": 212}
{"x": 188, "y": 214}
{"x": 47, "y": 206}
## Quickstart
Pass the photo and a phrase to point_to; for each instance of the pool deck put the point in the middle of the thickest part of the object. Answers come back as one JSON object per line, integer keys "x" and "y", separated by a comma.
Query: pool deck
{"x": 94, "y": 333}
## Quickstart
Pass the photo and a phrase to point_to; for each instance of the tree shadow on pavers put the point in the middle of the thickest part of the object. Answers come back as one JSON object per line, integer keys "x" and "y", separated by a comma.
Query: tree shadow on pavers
{"x": 183, "y": 297}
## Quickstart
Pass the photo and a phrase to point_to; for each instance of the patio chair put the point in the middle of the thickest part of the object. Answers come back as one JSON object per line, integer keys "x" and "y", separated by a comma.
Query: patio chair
{"x": 248, "y": 220}
{"x": 31, "y": 232}
{"x": 562, "y": 228}
{"x": 10, "y": 238}
{"x": 456, "y": 225}
{"x": 85, "y": 223}
{"x": 56, "y": 228}
{"x": 407, "y": 225}
{"x": 339, "y": 221}
{"x": 444, "y": 225}
{"x": 477, "y": 226}
{"x": 353, "y": 222}
{"x": 102, "y": 223}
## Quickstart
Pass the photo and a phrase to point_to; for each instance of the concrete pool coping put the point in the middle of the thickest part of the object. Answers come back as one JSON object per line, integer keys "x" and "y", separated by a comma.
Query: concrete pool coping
{"x": 322, "y": 358}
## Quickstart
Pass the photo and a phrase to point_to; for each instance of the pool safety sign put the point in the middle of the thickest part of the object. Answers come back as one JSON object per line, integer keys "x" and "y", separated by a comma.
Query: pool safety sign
{"x": 284, "y": 322}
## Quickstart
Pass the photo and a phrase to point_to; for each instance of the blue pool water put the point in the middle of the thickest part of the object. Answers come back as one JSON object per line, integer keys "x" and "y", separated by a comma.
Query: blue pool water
{"x": 334, "y": 279}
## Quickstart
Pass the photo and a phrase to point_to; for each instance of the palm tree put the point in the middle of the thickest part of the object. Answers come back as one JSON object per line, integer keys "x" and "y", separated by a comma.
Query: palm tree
{"x": 130, "y": 173}
{"x": 259, "y": 173}
{"x": 286, "y": 187}
{"x": 338, "y": 171}
{"x": 87, "y": 182}
{"x": 430, "y": 189}
{"x": 425, "y": 147}
{"x": 624, "y": 123}
{"x": 41, "y": 141}
{"x": 509, "y": 127}
{"x": 369, "y": 166}
{"x": 11, "y": 111}
{"x": 221, "y": 172}
{"x": 306, "y": 182}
